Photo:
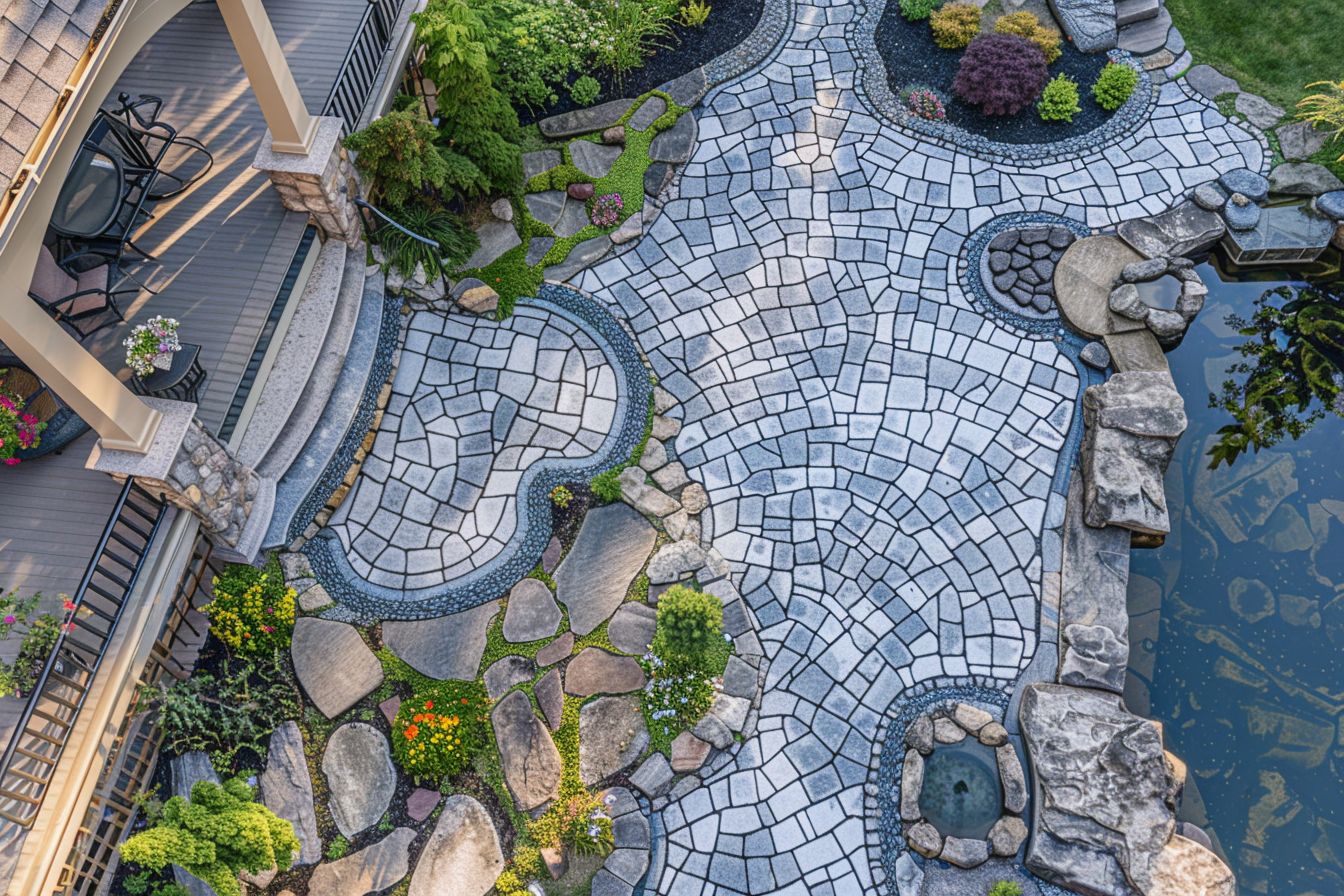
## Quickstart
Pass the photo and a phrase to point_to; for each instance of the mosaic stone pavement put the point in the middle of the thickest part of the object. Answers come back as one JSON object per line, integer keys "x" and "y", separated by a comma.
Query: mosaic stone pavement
{"x": 878, "y": 451}
{"x": 474, "y": 405}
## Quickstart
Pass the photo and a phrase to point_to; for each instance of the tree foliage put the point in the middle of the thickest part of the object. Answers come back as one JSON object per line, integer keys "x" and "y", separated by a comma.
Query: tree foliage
{"x": 216, "y": 835}
{"x": 401, "y": 165}
{"x": 1291, "y": 374}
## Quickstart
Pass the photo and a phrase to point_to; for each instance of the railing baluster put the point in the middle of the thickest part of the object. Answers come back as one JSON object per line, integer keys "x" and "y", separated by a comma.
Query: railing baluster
{"x": 359, "y": 71}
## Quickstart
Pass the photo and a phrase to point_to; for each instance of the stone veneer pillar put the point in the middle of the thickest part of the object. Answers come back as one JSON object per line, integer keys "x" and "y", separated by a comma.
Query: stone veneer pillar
{"x": 321, "y": 183}
{"x": 195, "y": 471}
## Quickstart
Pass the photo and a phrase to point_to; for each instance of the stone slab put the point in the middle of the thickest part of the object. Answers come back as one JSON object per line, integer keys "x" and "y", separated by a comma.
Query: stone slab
{"x": 462, "y": 856}
{"x": 447, "y": 647}
{"x": 357, "y": 764}
{"x": 286, "y": 787}
{"x": 593, "y": 579}
{"x": 532, "y": 613}
{"x": 585, "y": 121}
{"x": 333, "y": 664}
{"x": 1083, "y": 281}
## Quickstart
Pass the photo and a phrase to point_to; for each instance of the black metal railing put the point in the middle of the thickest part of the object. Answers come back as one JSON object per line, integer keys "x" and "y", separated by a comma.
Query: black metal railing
{"x": 377, "y": 225}
{"x": 359, "y": 71}
{"x": 53, "y": 706}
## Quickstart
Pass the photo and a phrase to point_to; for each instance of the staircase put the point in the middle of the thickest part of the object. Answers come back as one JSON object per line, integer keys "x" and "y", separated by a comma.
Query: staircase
{"x": 1145, "y": 27}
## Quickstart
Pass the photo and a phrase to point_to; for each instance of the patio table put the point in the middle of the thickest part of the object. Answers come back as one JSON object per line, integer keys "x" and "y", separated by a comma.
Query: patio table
{"x": 180, "y": 382}
{"x": 91, "y": 195}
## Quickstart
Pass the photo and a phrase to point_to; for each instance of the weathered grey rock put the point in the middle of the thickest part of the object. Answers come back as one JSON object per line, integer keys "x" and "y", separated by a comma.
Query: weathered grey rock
{"x": 447, "y": 647}
{"x": 993, "y": 735}
{"x": 964, "y": 853}
{"x": 1331, "y": 205}
{"x": 527, "y": 754}
{"x": 333, "y": 664}
{"x": 593, "y": 159}
{"x": 1089, "y": 23}
{"x": 1007, "y": 836}
{"x": 688, "y": 752}
{"x": 711, "y": 729}
{"x": 946, "y": 731}
{"x": 614, "y": 540}
{"x": 732, "y": 711}
{"x": 614, "y": 136}
{"x": 644, "y": 497}
{"x": 1185, "y": 230}
{"x": 314, "y": 598}
{"x": 1211, "y": 83}
{"x": 497, "y": 237}
{"x": 1143, "y": 271}
{"x": 1012, "y": 778}
{"x": 631, "y": 629}
{"x": 688, "y": 89}
{"x": 462, "y": 855}
{"x": 657, "y": 177}
{"x": 542, "y": 160}
{"x": 502, "y": 209}
{"x": 631, "y": 229}
{"x": 739, "y": 678}
{"x": 537, "y": 247}
{"x": 546, "y": 206}
{"x": 594, "y": 671}
{"x": 612, "y": 736}
{"x": 532, "y": 613}
{"x": 550, "y": 693}
{"x": 648, "y": 112}
{"x": 1132, "y": 423}
{"x": 1095, "y": 355}
{"x": 557, "y": 650}
{"x": 371, "y": 870}
{"x": 358, "y": 767}
{"x": 676, "y": 561}
{"x": 1241, "y": 213}
{"x": 1251, "y": 184}
{"x": 1149, "y": 38}
{"x": 1188, "y": 868}
{"x": 653, "y": 778}
{"x": 1303, "y": 179}
{"x": 1095, "y": 658}
{"x": 1105, "y": 794}
{"x": 585, "y": 254}
{"x": 628, "y": 864}
{"x": 925, "y": 840}
{"x": 675, "y": 144}
{"x": 506, "y": 673}
{"x": 1083, "y": 281}
{"x": 971, "y": 718}
{"x": 1125, "y": 301}
{"x": 286, "y": 788}
{"x": 186, "y": 771}
{"x": 912, "y": 782}
{"x": 1167, "y": 326}
{"x": 1300, "y": 140}
{"x": 1210, "y": 196}
{"x": 909, "y": 876}
{"x": 1259, "y": 111}
{"x": 585, "y": 121}
{"x": 1094, "y": 581}
{"x": 694, "y": 498}
{"x": 920, "y": 734}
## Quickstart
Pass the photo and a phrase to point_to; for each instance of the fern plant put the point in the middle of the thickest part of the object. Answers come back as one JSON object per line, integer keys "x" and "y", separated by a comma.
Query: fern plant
{"x": 1325, "y": 109}
{"x": 695, "y": 13}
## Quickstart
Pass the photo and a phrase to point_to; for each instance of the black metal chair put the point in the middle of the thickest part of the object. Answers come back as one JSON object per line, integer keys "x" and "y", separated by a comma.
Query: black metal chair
{"x": 84, "y": 300}
{"x": 180, "y": 160}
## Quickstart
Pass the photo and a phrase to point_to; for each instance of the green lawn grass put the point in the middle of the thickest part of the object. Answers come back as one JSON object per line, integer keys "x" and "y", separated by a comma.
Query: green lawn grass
{"x": 1273, "y": 49}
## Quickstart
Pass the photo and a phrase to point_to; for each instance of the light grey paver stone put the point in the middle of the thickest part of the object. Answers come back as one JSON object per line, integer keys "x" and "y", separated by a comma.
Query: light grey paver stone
{"x": 592, "y": 580}
{"x": 462, "y": 855}
{"x": 447, "y": 647}
{"x": 1210, "y": 82}
{"x": 653, "y": 778}
{"x": 333, "y": 664}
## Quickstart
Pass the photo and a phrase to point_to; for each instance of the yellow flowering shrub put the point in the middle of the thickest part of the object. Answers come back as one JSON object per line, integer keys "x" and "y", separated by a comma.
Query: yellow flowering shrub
{"x": 438, "y": 732}
{"x": 253, "y": 610}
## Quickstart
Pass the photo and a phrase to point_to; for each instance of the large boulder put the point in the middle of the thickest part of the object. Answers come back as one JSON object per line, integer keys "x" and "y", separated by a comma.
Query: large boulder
{"x": 529, "y": 757}
{"x": 334, "y": 665}
{"x": 286, "y": 788}
{"x": 1105, "y": 793}
{"x": 1184, "y": 231}
{"x": 358, "y": 768}
{"x": 592, "y": 581}
{"x": 1303, "y": 179}
{"x": 462, "y": 855}
{"x": 1133, "y": 422}
{"x": 612, "y": 736}
{"x": 371, "y": 870}
{"x": 1089, "y": 23}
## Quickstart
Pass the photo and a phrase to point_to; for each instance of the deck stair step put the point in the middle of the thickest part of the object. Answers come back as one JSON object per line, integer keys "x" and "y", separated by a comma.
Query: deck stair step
{"x": 337, "y": 416}
{"x": 1147, "y": 35}
{"x": 1127, "y": 12}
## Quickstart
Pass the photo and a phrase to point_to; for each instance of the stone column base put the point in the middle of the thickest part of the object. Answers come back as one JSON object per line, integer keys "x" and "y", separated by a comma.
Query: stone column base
{"x": 322, "y": 183}
{"x": 195, "y": 471}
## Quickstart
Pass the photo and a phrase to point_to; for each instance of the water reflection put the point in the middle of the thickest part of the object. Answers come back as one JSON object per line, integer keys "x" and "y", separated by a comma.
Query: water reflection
{"x": 1237, "y": 627}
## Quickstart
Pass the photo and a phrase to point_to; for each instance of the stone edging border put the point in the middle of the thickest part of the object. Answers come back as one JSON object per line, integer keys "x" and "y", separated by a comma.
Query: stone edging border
{"x": 367, "y": 602}
{"x": 873, "y": 87}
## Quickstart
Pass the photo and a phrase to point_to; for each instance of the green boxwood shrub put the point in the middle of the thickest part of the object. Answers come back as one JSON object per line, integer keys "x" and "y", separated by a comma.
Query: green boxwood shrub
{"x": 919, "y": 10}
{"x": 1115, "y": 85}
{"x": 397, "y": 157}
{"x": 1059, "y": 100}
{"x": 585, "y": 90}
{"x": 689, "y": 627}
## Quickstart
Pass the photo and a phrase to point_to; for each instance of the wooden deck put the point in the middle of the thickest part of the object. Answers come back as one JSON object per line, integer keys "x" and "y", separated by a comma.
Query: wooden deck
{"x": 224, "y": 248}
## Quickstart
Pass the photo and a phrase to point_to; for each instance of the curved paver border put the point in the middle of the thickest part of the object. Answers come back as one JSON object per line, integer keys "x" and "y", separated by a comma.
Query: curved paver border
{"x": 872, "y": 86}
{"x": 362, "y": 601}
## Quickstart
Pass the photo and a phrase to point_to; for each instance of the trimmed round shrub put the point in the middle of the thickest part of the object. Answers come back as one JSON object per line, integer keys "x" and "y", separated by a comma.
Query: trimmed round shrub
{"x": 585, "y": 90}
{"x": 689, "y": 624}
{"x": 955, "y": 25}
{"x": 438, "y": 731}
{"x": 1025, "y": 24}
{"x": 922, "y": 102}
{"x": 1115, "y": 85}
{"x": 919, "y": 10}
{"x": 1059, "y": 100}
{"x": 1000, "y": 73}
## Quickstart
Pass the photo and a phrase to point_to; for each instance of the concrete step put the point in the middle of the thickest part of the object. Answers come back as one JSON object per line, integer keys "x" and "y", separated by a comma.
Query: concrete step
{"x": 300, "y": 348}
{"x": 338, "y": 416}
{"x": 322, "y": 380}
{"x": 1127, "y": 12}
{"x": 1147, "y": 36}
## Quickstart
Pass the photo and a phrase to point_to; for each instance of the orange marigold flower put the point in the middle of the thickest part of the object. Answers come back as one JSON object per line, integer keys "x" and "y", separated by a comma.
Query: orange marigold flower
{"x": 411, "y": 731}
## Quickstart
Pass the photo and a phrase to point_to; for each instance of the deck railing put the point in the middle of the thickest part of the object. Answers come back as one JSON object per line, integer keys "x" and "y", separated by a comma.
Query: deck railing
{"x": 52, "y": 709}
{"x": 359, "y": 71}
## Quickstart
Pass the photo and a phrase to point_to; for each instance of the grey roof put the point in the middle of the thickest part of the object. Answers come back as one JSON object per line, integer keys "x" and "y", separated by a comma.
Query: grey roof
{"x": 40, "y": 42}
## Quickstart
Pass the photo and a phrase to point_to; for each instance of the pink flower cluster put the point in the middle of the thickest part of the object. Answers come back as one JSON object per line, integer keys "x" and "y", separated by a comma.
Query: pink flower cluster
{"x": 19, "y": 431}
{"x": 924, "y": 103}
{"x": 606, "y": 210}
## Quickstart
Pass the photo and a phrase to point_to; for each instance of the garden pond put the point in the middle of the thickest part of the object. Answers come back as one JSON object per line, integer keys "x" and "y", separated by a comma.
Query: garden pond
{"x": 1237, "y": 623}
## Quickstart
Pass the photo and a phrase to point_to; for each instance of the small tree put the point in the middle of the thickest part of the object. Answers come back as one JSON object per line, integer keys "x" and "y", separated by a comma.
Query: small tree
{"x": 218, "y": 834}
{"x": 400, "y": 163}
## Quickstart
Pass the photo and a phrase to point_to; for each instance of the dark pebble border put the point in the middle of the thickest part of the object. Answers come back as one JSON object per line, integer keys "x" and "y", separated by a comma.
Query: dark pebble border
{"x": 362, "y": 602}
{"x": 874, "y": 88}
{"x": 769, "y": 31}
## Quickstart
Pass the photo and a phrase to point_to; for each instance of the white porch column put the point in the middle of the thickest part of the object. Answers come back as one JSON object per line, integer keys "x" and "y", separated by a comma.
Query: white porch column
{"x": 121, "y": 419}
{"x": 292, "y": 128}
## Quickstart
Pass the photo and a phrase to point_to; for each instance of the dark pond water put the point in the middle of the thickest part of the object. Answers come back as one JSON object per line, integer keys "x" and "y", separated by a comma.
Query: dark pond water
{"x": 1237, "y": 629}
{"x": 1160, "y": 293}
{"x": 961, "y": 794}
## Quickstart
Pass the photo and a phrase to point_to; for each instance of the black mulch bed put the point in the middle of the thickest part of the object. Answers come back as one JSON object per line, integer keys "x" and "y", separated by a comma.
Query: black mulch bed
{"x": 913, "y": 59}
{"x": 730, "y": 21}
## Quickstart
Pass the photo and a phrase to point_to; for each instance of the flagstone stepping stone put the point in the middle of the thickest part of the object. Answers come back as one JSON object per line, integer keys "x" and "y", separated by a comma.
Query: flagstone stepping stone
{"x": 675, "y": 561}
{"x": 631, "y": 629}
{"x": 557, "y": 650}
{"x": 389, "y": 708}
{"x": 358, "y": 767}
{"x": 654, "y": 776}
{"x": 616, "y": 540}
{"x": 550, "y": 558}
{"x": 537, "y": 249}
{"x": 539, "y": 162}
{"x": 656, "y": 177}
{"x": 506, "y": 673}
{"x": 550, "y": 694}
{"x": 287, "y": 789}
{"x": 462, "y": 856}
{"x": 532, "y": 613}
{"x": 497, "y": 237}
{"x": 675, "y": 144}
{"x": 688, "y": 752}
{"x": 447, "y": 647}
{"x": 573, "y": 218}
{"x": 334, "y": 665}
{"x": 594, "y": 671}
{"x": 529, "y": 758}
{"x": 593, "y": 159}
{"x": 422, "y": 802}
{"x": 628, "y": 864}
{"x": 612, "y": 736}
{"x": 585, "y": 121}
{"x": 371, "y": 870}
{"x": 580, "y": 257}
{"x": 649, "y": 111}
{"x": 547, "y": 206}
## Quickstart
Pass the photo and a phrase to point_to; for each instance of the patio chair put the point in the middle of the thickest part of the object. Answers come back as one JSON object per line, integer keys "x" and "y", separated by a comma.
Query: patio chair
{"x": 180, "y": 161}
{"x": 84, "y": 299}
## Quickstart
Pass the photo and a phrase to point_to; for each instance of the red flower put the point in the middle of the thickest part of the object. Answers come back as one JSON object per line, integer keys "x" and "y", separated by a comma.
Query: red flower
{"x": 410, "y": 732}
{"x": 429, "y": 704}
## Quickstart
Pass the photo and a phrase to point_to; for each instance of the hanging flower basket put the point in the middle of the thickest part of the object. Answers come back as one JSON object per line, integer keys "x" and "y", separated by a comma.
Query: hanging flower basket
{"x": 152, "y": 345}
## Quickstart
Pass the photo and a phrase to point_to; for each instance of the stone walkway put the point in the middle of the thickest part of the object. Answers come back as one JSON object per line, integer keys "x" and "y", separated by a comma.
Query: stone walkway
{"x": 878, "y": 449}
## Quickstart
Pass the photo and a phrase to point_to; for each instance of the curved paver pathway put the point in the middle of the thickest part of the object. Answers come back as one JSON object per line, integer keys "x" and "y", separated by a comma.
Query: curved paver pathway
{"x": 879, "y": 453}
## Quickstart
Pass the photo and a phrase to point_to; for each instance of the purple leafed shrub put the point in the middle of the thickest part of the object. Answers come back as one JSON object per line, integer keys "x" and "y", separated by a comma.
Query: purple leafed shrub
{"x": 1001, "y": 73}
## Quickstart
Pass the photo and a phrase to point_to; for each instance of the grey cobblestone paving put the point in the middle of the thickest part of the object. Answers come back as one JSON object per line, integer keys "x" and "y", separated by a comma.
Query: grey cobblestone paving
{"x": 878, "y": 450}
